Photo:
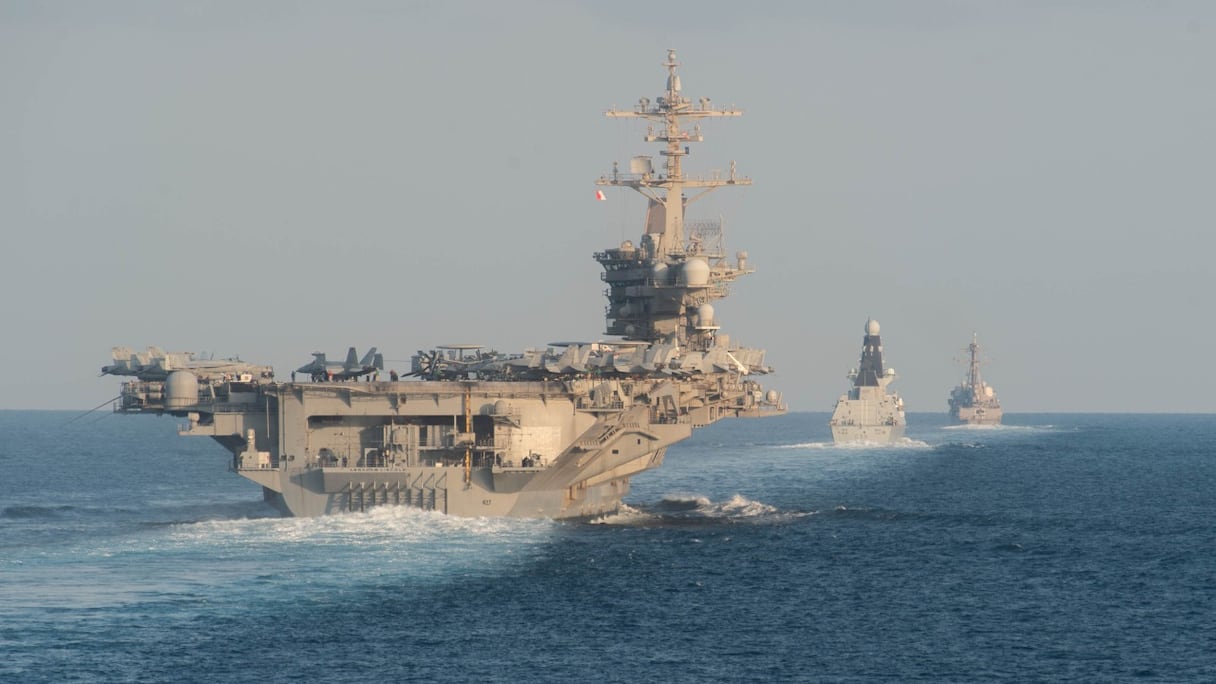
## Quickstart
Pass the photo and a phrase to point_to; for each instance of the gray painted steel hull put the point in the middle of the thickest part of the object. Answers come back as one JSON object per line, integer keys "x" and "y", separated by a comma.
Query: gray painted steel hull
{"x": 976, "y": 415}
{"x": 867, "y": 434}
{"x": 520, "y": 449}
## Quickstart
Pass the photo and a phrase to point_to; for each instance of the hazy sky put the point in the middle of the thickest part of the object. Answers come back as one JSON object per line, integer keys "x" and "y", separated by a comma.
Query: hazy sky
{"x": 266, "y": 179}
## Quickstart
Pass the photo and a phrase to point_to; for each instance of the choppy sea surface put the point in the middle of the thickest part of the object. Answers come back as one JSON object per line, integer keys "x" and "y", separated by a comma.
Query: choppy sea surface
{"x": 1061, "y": 547}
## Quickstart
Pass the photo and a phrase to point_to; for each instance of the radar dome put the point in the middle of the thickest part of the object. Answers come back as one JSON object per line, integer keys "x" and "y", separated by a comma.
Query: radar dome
{"x": 705, "y": 313}
{"x": 696, "y": 273}
{"x": 181, "y": 389}
{"x": 871, "y": 327}
{"x": 660, "y": 273}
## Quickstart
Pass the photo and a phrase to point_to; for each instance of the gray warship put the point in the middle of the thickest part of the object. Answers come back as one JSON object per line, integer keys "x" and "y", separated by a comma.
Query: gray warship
{"x": 555, "y": 432}
{"x": 974, "y": 402}
{"x": 867, "y": 413}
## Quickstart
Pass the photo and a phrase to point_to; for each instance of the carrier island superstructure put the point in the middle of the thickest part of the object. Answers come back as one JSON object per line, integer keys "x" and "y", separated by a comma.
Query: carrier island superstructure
{"x": 555, "y": 432}
{"x": 974, "y": 402}
{"x": 867, "y": 413}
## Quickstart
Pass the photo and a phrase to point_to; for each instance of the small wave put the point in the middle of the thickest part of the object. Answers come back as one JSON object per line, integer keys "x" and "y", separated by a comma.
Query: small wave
{"x": 902, "y": 443}
{"x": 625, "y": 515}
{"x": 683, "y": 502}
{"x": 27, "y": 512}
{"x": 868, "y": 513}
{"x": 743, "y": 507}
{"x": 1000, "y": 428}
{"x": 695, "y": 510}
{"x": 966, "y": 445}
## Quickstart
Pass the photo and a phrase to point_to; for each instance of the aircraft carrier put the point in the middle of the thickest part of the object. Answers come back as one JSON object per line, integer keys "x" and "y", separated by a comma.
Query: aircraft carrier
{"x": 555, "y": 432}
{"x": 974, "y": 402}
{"x": 867, "y": 413}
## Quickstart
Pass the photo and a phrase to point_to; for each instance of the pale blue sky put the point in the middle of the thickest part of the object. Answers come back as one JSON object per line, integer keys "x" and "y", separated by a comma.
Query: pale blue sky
{"x": 268, "y": 179}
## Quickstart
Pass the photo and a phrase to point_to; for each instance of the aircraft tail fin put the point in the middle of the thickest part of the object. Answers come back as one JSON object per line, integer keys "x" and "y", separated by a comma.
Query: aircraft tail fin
{"x": 367, "y": 358}
{"x": 378, "y": 362}
{"x": 352, "y": 359}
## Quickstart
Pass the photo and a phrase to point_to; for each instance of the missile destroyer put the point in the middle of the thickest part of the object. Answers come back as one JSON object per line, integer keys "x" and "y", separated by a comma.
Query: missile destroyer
{"x": 974, "y": 402}
{"x": 555, "y": 432}
{"x": 867, "y": 413}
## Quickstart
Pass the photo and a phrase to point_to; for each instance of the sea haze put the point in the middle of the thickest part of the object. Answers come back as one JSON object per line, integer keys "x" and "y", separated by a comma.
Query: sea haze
{"x": 1057, "y": 547}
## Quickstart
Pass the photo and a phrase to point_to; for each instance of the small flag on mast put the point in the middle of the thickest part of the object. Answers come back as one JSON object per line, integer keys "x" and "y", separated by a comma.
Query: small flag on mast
{"x": 599, "y": 195}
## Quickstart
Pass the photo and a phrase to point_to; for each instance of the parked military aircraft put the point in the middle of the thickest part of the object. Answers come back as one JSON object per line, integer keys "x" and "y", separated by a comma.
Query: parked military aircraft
{"x": 321, "y": 370}
{"x": 155, "y": 364}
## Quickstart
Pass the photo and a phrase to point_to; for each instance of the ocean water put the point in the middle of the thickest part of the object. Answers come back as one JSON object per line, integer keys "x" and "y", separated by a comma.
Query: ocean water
{"x": 1055, "y": 548}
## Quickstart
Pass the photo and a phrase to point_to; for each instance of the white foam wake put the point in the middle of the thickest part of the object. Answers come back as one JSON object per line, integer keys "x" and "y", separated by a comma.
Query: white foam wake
{"x": 902, "y": 443}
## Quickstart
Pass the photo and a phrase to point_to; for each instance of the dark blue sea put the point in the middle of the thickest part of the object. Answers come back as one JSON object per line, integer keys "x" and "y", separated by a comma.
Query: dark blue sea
{"x": 1055, "y": 548}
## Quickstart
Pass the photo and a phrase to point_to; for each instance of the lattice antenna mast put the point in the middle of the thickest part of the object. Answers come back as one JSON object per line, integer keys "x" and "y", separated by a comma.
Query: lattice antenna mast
{"x": 666, "y": 190}
{"x": 973, "y": 372}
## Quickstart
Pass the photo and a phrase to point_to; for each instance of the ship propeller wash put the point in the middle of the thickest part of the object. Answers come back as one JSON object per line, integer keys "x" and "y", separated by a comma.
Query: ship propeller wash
{"x": 552, "y": 433}
{"x": 974, "y": 402}
{"x": 867, "y": 413}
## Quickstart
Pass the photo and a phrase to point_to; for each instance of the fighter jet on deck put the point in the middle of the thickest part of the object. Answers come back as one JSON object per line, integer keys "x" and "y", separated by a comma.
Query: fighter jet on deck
{"x": 155, "y": 365}
{"x": 321, "y": 370}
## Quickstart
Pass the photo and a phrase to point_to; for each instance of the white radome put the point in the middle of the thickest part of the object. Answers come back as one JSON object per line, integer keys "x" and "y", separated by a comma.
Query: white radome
{"x": 871, "y": 327}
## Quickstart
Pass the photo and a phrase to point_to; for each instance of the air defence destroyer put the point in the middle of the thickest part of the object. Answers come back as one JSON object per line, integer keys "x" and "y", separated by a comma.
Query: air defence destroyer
{"x": 974, "y": 402}
{"x": 554, "y": 433}
{"x": 868, "y": 413}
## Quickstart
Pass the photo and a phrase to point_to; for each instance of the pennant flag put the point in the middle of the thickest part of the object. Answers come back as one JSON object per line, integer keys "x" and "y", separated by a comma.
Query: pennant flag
{"x": 599, "y": 195}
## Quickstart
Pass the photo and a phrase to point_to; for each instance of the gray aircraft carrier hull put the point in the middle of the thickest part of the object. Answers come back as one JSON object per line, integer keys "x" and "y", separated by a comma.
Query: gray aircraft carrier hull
{"x": 530, "y": 449}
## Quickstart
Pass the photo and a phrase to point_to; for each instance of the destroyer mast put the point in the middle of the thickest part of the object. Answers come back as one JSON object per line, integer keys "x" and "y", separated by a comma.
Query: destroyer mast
{"x": 974, "y": 402}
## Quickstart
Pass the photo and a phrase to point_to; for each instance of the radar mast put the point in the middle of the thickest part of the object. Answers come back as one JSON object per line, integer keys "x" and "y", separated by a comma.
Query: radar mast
{"x": 661, "y": 292}
{"x": 973, "y": 373}
{"x": 665, "y": 213}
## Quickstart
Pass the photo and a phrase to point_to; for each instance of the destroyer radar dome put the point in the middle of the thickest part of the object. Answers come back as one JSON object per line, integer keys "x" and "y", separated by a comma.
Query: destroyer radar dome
{"x": 871, "y": 327}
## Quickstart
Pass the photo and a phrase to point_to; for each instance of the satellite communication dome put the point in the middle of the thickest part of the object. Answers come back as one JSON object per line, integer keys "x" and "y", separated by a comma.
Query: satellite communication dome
{"x": 660, "y": 273}
{"x": 706, "y": 313}
{"x": 871, "y": 327}
{"x": 696, "y": 272}
{"x": 181, "y": 389}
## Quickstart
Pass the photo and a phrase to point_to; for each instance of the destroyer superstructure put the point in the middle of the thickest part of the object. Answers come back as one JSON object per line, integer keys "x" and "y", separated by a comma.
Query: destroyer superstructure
{"x": 555, "y": 432}
{"x": 974, "y": 402}
{"x": 868, "y": 413}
